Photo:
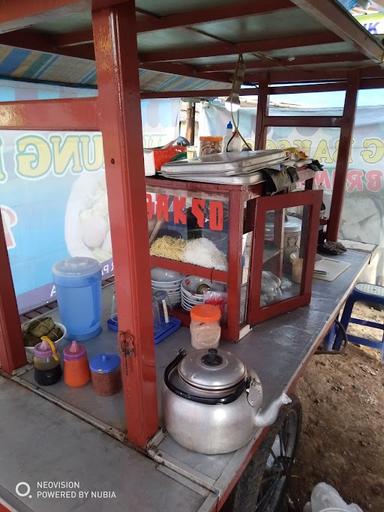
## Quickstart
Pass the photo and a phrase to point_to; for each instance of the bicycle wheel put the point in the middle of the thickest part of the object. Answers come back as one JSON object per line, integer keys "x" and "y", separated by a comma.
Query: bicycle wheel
{"x": 263, "y": 484}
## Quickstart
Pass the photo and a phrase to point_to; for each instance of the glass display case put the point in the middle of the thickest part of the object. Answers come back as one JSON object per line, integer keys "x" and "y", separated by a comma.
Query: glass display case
{"x": 228, "y": 245}
{"x": 283, "y": 254}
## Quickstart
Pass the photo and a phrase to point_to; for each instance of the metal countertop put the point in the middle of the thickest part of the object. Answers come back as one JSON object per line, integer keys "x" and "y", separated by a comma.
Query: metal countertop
{"x": 278, "y": 350}
{"x": 40, "y": 441}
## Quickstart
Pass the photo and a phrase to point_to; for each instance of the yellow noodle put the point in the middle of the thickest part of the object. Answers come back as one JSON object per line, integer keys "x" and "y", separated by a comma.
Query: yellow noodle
{"x": 168, "y": 247}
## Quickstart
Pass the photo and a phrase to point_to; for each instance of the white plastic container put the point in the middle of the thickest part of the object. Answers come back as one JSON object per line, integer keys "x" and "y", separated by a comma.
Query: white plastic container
{"x": 228, "y": 136}
{"x": 235, "y": 144}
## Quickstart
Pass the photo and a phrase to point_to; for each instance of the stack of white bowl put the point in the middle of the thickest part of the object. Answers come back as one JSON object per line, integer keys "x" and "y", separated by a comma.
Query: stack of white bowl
{"x": 189, "y": 295}
{"x": 167, "y": 281}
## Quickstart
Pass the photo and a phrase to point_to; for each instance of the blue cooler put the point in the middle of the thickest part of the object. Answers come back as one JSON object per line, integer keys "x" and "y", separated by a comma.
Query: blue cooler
{"x": 78, "y": 291}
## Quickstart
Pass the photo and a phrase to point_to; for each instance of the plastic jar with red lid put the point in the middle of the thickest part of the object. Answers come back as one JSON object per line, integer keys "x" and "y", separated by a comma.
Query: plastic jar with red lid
{"x": 210, "y": 144}
{"x": 205, "y": 326}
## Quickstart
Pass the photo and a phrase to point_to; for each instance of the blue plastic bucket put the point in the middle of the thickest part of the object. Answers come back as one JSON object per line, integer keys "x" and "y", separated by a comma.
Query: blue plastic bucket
{"x": 78, "y": 292}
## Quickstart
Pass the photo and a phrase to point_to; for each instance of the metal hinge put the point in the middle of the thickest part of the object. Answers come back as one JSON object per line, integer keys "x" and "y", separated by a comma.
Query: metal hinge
{"x": 127, "y": 347}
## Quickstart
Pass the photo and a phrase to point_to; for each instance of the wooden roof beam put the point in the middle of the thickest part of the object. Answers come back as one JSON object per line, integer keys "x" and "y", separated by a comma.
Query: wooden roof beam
{"x": 319, "y": 75}
{"x": 178, "y": 68}
{"x": 263, "y": 45}
{"x": 18, "y": 14}
{"x": 365, "y": 83}
{"x": 30, "y": 39}
{"x": 279, "y": 62}
{"x": 335, "y": 18}
{"x": 205, "y": 93}
{"x": 77, "y": 38}
{"x": 245, "y": 8}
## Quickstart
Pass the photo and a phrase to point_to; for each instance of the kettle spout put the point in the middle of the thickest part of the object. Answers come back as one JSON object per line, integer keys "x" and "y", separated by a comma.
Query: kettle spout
{"x": 268, "y": 416}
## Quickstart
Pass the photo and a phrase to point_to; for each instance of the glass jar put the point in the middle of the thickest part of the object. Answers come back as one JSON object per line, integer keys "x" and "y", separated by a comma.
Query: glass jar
{"x": 160, "y": 305}
{"x": 46, "y": 363}
{"x": 205, "y": 326}
{"x": 105, "y": 374}
{"x": 210, "y": 145}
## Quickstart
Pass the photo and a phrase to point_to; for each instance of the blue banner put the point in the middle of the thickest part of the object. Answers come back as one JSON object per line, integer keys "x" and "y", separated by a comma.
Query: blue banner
{"x": 53, "y": 199}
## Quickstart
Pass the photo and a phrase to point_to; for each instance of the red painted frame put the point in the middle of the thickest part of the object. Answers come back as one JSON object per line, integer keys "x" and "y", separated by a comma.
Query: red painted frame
{"x": 12, "y": 352}
{"x": 119, "y": 111}
{"x": 311, "y": 198}
{"x": 60, "y": 114}
{"x": 342, "y": 163}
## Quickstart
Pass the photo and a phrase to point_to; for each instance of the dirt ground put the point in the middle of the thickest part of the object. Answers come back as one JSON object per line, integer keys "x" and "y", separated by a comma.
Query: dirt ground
{"x": 342, "y": 439}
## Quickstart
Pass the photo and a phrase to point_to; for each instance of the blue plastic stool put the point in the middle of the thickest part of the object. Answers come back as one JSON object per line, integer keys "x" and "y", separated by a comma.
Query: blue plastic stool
{"x": 368, "y": 294}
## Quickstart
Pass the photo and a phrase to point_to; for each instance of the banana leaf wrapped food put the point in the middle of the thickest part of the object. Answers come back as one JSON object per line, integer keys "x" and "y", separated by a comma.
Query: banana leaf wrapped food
{"x": 41, "y": 327}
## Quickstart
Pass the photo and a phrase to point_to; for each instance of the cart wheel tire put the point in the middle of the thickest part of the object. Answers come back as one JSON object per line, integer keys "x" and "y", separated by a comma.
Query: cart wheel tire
{"x": 263, "y": 485}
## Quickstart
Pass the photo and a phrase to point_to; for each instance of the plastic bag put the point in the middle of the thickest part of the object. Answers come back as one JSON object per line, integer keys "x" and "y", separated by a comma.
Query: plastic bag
{"x": 217, "y": 299}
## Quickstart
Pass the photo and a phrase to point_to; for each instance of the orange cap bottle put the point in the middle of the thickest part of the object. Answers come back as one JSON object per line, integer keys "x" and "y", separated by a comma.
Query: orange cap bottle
{"x": 76, "y": 367}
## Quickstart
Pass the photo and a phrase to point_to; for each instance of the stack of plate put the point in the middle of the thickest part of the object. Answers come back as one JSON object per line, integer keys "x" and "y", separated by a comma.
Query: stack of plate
{"x": 167, "y": 281}
{"x": 192, "y": 290}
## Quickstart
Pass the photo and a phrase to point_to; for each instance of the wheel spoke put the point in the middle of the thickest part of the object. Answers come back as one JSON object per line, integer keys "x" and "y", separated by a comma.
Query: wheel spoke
{"x": 282, "y": 450}
{"x": 267, "y": 496}
{"x": 273, "y": 471}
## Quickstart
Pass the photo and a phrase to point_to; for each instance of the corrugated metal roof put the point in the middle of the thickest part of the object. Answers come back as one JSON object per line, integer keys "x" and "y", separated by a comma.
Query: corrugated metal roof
{"x": 56, "y": 46}
{"x": 47, "y": 67}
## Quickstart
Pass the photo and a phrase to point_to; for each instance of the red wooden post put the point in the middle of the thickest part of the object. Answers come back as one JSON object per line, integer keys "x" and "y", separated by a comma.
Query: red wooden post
{"x": 235, "y": 236}
{"x": 341, "y": 170}
{"x": 261, "y": 114}
{"x": 120, "y": 121}
{"x": 12, "y": 352}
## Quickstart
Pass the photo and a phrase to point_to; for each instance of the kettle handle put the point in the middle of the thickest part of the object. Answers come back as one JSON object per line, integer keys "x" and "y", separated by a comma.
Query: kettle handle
{"x": 180, "y": 355}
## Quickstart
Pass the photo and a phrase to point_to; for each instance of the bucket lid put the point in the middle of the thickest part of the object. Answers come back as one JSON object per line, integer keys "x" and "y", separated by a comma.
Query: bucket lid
{"x": 104, "y": 363}
{"x": 206, "y": 313}
{"x": 79, "y": 266}
{"x": 211, "y": 369}
{"x": 74, "y": 351}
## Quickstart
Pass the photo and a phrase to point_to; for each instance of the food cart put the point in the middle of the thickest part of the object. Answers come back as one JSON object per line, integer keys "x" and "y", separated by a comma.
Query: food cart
{"x": 289, "y": 47}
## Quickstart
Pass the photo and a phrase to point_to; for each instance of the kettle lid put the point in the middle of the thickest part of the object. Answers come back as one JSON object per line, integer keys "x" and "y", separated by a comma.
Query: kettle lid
{"x": 212, "y": 369}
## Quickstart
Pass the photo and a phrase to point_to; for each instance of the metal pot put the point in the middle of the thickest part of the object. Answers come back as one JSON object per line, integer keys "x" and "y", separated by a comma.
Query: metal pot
{"x": 212, "y": 402}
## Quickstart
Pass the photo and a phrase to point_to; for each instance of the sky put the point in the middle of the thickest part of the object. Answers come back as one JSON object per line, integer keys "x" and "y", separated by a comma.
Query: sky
{"x": 371, "y": 97}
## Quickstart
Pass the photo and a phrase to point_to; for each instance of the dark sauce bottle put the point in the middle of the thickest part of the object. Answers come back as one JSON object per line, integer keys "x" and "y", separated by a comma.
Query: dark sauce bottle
{"x": 47, "y": 369}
